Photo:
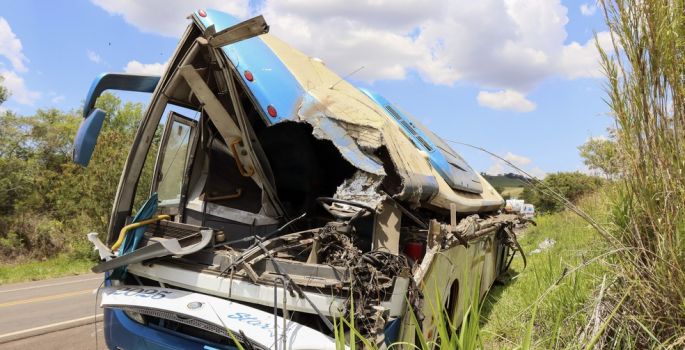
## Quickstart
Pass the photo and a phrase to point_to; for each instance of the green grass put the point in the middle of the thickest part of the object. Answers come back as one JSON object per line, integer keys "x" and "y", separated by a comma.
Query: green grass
{"x": 547, "y": 304}
{"x": 62, "y": 265}
{"x": 513, "y": 192}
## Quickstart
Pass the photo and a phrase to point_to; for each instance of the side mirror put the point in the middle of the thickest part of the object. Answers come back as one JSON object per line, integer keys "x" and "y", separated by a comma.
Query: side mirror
{"x": 93, "y": 118}
{"x": 87, "y": 137}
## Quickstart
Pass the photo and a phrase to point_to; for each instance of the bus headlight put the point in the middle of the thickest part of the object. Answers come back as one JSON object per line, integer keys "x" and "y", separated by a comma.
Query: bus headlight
{"x": 136, "y": 316}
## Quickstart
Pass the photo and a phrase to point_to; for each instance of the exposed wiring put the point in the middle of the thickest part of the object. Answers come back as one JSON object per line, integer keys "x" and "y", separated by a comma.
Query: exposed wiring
{"x": 293, "y": 285}
{"x": 347, "y": 76}
{"x": 256, "y": 239}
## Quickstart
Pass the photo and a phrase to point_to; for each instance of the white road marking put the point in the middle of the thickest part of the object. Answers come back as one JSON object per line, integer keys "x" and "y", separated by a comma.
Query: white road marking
{"x": 51, "y": 285}
{"x": 97, "y": 317}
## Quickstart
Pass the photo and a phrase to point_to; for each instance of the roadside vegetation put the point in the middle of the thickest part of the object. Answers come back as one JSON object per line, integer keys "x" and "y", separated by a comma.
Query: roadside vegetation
{"x": 646, "y": 93}
{"x": 548, "y": 303}
{"x": 47, "y": 203}
{"x": 570, "y": 185}
{"x": 36, "y": 270}
{"x": 640, "y": 302}
{"x": 512, "y": 192}
{"x": 620, "y": 288}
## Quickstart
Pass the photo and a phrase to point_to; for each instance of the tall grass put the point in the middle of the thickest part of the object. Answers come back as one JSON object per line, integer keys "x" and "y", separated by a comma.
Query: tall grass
{"x": 548, "y": 304}
{"x": 450, "y": 334}
{"x": 646, "y": 93}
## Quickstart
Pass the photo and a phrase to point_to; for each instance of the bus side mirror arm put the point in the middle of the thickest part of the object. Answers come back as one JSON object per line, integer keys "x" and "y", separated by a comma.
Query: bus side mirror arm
{"x": 93, "y": 118}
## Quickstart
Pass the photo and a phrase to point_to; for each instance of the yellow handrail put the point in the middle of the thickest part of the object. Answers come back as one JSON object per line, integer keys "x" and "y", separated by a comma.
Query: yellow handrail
{"x": 129, "y": 227}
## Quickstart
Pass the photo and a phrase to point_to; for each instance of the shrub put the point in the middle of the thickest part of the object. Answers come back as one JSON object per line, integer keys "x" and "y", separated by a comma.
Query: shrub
{"x": 571, "y": 185}
{"x": 47, "y": 203}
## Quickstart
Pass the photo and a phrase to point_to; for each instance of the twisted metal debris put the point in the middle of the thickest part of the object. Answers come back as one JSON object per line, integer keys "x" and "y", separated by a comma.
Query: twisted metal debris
{"x": 371, "y": 278}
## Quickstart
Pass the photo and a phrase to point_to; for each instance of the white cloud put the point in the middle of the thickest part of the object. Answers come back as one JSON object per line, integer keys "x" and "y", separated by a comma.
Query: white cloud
{"x": 496, "y": 168}
{"x": 93, "y": 56}
{"x": 19, "y": 92}
{"x": 135, "y": 67}
{"x": 355, "y": 33}
{"x": 167, "y": 17}
{"x": 10, "y": 47}
{"x": 499, "y": 166}
{"x": 582, "y": 61}
{"x": 517, "y": 160}
{"x": 55, "y": 98}
{"x": 503, "y": 45}
{"x": 505, "y": 100}
{"x": 587, "y": 9}
{"x": 537, "y": 173}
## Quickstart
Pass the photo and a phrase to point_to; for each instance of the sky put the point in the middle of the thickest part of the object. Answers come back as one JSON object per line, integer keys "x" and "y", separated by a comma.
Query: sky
{"x": 520, "y": 78}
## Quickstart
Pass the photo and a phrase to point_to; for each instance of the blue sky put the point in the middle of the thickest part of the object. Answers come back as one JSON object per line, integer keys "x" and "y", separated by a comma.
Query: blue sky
{"x": 518, "y": 77}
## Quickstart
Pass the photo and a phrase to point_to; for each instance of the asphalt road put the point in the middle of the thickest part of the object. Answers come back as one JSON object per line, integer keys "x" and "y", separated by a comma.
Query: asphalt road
{"x": 58, "y": 313}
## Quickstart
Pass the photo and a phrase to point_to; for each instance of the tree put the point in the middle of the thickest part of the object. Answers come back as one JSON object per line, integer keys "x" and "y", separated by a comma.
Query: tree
{"x": 48, "y": 203}
{"x": 601, "y": 154}
{"x": 571, "y": 185}
{"x": 4, "y": 94}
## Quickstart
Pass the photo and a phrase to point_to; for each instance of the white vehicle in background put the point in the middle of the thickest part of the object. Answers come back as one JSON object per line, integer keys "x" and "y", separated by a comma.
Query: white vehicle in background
{"x": 514, "y": 205}
{"x": 518, "y": 206}
{"x": 528, "y": 211}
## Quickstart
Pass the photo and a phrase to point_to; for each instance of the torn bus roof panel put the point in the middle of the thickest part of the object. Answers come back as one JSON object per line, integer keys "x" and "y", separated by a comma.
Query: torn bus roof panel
{"x": 325, "y": 127}
{"x": 287, "y": 85}
{"x": 351, "y": 108}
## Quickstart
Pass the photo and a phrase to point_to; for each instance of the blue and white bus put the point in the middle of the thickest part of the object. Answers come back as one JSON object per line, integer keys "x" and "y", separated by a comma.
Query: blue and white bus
{"x": 282, "y": 198}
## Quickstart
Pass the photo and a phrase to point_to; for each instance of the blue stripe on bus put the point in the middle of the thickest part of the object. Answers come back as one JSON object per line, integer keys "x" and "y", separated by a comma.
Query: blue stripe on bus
{"x": 418, "y": 137}
{"x": 273, "y": 83}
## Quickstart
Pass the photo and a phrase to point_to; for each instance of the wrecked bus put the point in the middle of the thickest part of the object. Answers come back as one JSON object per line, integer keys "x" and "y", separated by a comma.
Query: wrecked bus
{"x": 283, "y": 198}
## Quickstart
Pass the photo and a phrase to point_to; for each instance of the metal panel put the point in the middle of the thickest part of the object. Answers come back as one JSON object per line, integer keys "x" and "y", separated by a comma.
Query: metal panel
{"x": 443, "y": 158}
{"x": 273, "y": 84}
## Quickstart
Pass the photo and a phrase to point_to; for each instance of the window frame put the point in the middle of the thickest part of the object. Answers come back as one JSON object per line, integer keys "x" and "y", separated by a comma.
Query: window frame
{"x": 192, "y": 144}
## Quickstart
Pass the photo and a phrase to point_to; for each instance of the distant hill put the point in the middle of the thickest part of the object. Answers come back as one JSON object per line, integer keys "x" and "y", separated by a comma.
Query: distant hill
{"x": 506, "y": 180}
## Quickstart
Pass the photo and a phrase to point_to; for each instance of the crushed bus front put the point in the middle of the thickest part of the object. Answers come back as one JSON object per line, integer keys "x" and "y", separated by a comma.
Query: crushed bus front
{"x": 278, "y": 188}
